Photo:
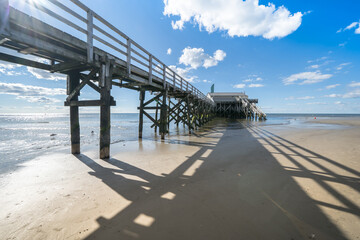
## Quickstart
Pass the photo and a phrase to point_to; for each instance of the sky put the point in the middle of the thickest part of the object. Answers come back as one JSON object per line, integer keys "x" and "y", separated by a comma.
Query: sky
{"x": 299, "y": 56}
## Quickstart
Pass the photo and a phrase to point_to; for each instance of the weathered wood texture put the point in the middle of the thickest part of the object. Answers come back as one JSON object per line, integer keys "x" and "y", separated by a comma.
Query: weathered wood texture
{"x": 141, "y": 114}
{"x": 73, "y": 82}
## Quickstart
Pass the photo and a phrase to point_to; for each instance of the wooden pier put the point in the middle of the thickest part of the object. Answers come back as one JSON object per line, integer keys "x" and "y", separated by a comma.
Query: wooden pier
{"x": 101, "y": 57}
{"x": 236, "y": 105}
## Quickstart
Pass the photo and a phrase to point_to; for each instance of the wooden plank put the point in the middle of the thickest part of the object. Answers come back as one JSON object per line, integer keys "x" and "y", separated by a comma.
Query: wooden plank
{"x": 23, "y": 61}
{"x": 153, "y": 99}
{"x": 67, "y": 66}
{"x": 34, "y": 42}
{"x": 90, "y": 29}
{"x": 42, "y": 8}
{"x": 88, "y": 103}
{"x": 152, "y": 119}
{"x": 35, "y": 25}
{"x": 4, "y": 19}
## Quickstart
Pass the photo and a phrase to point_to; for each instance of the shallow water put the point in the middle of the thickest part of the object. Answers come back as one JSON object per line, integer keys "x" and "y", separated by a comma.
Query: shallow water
{"x": 26, "y": 136}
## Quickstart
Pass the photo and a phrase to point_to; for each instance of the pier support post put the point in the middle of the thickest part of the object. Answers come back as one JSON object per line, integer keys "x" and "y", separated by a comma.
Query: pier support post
{"x": 178, "y": 115}
{"x": 156, "y": 116}
{"x": 188, "y": 109}
{"x": 141, "y": 113}
{"x": 73, "y": 82}
{"x": 168, "y": 114}
{"x": 105, "y": 89}
{"x": 163, "y": 116}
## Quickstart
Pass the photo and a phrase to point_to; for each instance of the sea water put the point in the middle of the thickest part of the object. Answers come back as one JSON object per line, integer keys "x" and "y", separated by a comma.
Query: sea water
{"x": 26, "y": 136}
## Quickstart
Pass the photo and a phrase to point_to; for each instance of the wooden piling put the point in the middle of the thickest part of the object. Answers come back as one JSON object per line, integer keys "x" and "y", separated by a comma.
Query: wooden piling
{"x": 73, "y": 82}
{"x": 188, "y": 110}
{"x": 168, "y": 114}
{"x": 156, "y": 116}
{"x": 163, "y": 116}
{"x": 141, "y": 113}
{"x": 105, "y": 124}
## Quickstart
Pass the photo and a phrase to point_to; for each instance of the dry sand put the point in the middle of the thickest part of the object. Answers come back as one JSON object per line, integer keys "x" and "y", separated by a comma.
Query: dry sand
{"x": 233, "y": 180}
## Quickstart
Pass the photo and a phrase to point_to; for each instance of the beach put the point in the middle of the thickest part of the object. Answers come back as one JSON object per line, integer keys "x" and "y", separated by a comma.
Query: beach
{"x": 232, "y": 179}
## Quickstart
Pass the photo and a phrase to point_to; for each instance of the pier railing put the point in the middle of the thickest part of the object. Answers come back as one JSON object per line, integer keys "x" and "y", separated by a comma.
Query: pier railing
{"x": 99, "y": 33}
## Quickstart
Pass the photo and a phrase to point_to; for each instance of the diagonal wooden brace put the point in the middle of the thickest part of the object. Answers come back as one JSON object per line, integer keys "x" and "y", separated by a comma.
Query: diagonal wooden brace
{"x": 81, "y": 85}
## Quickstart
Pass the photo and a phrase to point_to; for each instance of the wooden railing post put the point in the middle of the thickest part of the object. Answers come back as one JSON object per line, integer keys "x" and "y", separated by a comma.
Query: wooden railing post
{"x": 174, "y": 79}
{"x": 128, "y": 57}
{"x": 90, "y": 29}
{"x": 150, "y": 68}
{"x": 4, "y": 19}
{"x": 164, "y": 75}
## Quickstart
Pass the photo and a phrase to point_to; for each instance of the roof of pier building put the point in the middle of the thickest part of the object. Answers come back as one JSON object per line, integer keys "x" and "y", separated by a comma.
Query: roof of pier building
{"x": 222, "y": 97}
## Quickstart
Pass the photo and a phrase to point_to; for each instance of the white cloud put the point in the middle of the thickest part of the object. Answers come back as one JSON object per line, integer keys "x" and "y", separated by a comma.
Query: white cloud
{"x": 9, "y": 69}
{"x": 253, "y": 85}
{"x": 318, "y": 59}
{"x": 184, "y": 72}
{"x": 333, "y": 95}
{"x": 315, "y": 66}
{"x": 316, "y": 103}
{"x": 7, "y": 65}
{"x": 305, "y": 98}
{"x": 31, "y": 93}
{"x": 196, "y": 57}
{"x": 341, "y": 66}
{"x": 42, "y": 99}
{"x": 169, "y": 51}
{"x": 12, "y": 69}
{"x": 342, "y": 44}
{"x": 354, "y": 84}
{"x": 351, "y": 26}
{"x": 219, "y": 55}
{"x": 332, "y": 86}
{"x": 241, "y": 85}
{"x": 42, "y": 74}
{"x": 236, "y": 17}
{"x": 353, "y": 94}
{"x": 306, "y": 78}
{"x": 251, "y": 79}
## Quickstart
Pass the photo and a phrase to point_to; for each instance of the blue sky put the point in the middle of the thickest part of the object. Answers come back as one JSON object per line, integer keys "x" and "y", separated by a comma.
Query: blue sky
{"x": 296, "y": 56}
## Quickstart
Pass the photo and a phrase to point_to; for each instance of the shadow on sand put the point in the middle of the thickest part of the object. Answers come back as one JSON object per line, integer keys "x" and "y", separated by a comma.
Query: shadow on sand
{"x": 232, "y": 193}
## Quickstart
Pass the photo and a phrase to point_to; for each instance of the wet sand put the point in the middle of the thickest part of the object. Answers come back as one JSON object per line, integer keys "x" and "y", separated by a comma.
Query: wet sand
{"x": 232, "y": 180}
